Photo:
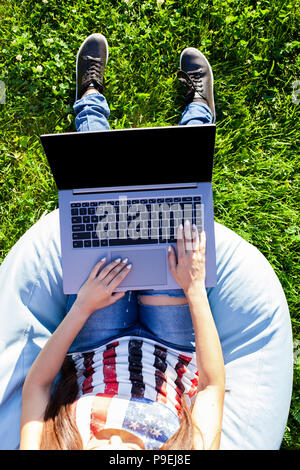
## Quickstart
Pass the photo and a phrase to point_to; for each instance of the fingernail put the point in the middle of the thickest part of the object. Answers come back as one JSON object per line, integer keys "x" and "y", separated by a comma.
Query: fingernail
{"x": 129, "y": 266}
{"x": 125, "y": 260}
{"x": 169, "y": 248}
{"x": 103, "y": 259}
{"x": 187, "y": 222}
{"x": 194, "y": 227}
{"x": 180, "y": 227}
{"x": 117, "y": 260}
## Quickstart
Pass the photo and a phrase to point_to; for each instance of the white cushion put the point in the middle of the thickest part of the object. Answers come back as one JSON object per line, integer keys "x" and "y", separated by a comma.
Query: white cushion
{"x": 248, "y": 305}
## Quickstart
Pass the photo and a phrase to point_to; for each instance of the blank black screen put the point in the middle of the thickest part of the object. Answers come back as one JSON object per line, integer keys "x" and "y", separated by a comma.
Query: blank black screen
{"x": 124, "y": 157}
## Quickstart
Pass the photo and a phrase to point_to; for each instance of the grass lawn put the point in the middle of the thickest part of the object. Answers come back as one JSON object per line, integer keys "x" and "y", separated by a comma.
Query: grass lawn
{"x": 253, "y": 47}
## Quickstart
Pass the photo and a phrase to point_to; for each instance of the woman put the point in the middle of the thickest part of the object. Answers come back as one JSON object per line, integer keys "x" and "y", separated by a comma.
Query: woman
{"x": 152, "y": 376}
{"x": 54, "y": 426}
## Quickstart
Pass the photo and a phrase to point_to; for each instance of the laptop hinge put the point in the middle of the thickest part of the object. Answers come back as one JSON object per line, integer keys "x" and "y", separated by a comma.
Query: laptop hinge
{"x": 148, "y": 187}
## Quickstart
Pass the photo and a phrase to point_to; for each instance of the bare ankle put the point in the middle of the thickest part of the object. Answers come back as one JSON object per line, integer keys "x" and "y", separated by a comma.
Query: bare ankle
{"x": 90, "y": 90}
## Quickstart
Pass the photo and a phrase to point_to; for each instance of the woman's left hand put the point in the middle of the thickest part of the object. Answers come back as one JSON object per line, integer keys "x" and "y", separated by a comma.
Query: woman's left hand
{"x": 98, "y": 291}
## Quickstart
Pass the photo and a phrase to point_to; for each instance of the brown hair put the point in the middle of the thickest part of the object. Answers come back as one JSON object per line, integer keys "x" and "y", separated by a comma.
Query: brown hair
{"x": 61, "y": 433}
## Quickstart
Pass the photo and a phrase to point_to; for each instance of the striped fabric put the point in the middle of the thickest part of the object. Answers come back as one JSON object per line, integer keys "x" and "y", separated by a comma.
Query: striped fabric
{"x": 142, "y": 382}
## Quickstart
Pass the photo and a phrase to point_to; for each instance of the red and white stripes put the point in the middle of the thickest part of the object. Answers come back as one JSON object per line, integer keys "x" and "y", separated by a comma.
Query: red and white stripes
{"x": 140, "y": 368}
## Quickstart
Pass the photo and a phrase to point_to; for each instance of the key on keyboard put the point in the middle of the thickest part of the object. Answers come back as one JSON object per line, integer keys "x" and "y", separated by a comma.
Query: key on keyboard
{"x": 133, "y": 221}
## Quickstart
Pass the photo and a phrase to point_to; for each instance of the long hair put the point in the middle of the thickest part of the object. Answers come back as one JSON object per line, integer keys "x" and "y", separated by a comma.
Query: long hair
{"x": 61, "y": 433}
{"x": 59, "y": 430}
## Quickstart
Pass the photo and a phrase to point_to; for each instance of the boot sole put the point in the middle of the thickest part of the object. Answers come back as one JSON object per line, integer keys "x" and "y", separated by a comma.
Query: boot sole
{"x": 211, "y": 75}
{"x": 79, "y": 51}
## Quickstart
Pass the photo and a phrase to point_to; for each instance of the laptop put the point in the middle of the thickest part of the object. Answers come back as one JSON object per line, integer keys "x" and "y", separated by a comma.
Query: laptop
{"x": 122, "y": 194}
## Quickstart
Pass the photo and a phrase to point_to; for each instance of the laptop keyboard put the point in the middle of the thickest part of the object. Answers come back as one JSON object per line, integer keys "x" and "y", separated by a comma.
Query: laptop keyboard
{"x": 132, "y": 221}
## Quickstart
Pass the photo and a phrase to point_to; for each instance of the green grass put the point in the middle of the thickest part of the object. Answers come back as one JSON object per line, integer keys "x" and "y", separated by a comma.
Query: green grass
{"x": 253, "y": 48}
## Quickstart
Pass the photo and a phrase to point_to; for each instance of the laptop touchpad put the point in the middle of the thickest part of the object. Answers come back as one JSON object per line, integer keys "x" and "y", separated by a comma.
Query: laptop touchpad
{"x": 149, "y": 267}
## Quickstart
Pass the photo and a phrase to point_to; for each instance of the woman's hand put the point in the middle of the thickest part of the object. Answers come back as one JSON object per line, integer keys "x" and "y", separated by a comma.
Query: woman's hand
{"x": 98, "y": 291}
{"x": 189, "y": 268}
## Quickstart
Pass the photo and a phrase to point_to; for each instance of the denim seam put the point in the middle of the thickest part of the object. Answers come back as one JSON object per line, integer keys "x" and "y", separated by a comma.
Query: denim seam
{"x": 159, "y": 306}
{"x": 86, "y": 115}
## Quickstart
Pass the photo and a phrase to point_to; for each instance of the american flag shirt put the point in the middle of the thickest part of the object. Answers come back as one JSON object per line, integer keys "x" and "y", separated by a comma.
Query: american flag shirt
{"x": 141, "y": 382}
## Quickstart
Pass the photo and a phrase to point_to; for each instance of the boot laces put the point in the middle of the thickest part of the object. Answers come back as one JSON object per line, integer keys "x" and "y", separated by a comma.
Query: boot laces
{"x": 192, "y": 81}
{"x": 94, "y": 71}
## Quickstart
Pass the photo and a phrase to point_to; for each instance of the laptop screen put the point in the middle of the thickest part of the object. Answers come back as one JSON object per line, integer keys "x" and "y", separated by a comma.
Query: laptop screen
{"x": 128, "y": 157}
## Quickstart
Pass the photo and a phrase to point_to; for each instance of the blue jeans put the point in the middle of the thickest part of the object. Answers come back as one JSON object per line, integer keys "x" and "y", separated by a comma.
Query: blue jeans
{"x": 170, "y": 324}
{"x": 92, "y": 113}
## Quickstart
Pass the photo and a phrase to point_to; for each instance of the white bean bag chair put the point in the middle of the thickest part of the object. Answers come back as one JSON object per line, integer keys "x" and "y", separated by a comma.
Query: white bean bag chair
{"x": 248, "y": 305}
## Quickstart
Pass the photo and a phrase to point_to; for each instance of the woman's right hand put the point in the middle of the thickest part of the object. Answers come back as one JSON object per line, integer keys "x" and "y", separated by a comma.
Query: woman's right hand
{"x": 189, "y": 267}
{"x": 98, "y": 290}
